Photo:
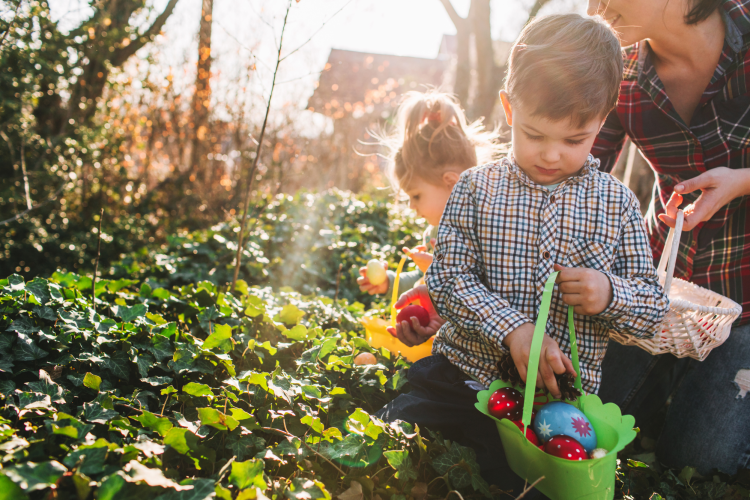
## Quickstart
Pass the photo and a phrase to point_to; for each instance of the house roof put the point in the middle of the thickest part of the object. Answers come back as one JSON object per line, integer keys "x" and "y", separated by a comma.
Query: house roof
{"x": 364, "y": 80}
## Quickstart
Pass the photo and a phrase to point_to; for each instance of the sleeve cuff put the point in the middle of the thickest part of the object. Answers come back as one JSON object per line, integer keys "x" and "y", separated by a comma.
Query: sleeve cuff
{"x": 622, "y": 298}
{"x": 502, "y": 323}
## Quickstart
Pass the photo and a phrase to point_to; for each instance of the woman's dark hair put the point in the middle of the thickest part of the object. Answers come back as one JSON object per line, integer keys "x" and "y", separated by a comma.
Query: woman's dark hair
{"x": 701, "y": 9}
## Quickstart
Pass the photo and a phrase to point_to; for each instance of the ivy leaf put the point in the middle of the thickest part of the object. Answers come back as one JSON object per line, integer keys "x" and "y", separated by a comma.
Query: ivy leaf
{"x": 24, "y": 324}
{"x": 289, "y": 315}
{"x": 92, "y": 460}
{"x": 32, "y": 476}
{"x": 111, "y": 486}
{"x": 401, "y": 461}
{"x": 32, "y": 400}
{"x": 92, "y": 381}
{"x": 463, "y": 457}
{"x": 161, "y": 425}
{"x": 353, "y": 493}
{"x": 118, "y": 365}
{"x": 6, "y": 388}
{"x": 244, "y": 446}
{"x": 157, "y": 381}
{"x": 95, "y": 413}
{"x": 152, "y": 477}
{"x": 10, "y": 490}
{"x": 203, "y": 489}
{"x": 197, "y": 390}
{"x": 248, "y": 473}
{"x": 214, "y": 418}
{"x": 144, "y": 362}
{"x": 45, "y": 312}
{"x": 306, "y": 489}
{"x": 130, "y": 314}
{"x": 39, "y": 288}
{"x": 45, "y": 385}
{"x": 220, "y": 338}
{"x": 27, "y": 350}
{"x": 182, "y": 440}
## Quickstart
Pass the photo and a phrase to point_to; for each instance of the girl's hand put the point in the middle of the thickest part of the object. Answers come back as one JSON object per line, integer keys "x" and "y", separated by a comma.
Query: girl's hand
{"x": 718, "y": 187}
{"x": 366, "y": 286}
{"x": 420, "y": 256}
{"x": 551, "y": 360}
{"x": 413, "y": 333}
{"x": 587, "y": 290}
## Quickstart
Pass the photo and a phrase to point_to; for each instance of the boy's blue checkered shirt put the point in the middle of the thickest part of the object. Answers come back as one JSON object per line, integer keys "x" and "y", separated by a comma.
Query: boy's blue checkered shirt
{"x": 498, "y": 239}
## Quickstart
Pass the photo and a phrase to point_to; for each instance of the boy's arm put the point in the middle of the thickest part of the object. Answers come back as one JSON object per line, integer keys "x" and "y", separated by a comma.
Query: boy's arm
{"x": 638, "y": 299}
{"x": 609, "y": 142}
{"x": 455, "y": 279}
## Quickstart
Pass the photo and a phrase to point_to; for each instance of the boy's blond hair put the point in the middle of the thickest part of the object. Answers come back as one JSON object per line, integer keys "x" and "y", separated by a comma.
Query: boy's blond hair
{"x": 565, "y": 66}
{"x": 432, "y": 137}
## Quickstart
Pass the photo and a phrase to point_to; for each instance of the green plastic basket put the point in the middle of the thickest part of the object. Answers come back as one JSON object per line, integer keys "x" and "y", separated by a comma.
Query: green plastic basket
{"x": 563, "y": 479}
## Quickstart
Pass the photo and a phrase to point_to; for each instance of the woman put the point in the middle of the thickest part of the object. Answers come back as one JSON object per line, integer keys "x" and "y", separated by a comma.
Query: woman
{"x": 685, "y": 102}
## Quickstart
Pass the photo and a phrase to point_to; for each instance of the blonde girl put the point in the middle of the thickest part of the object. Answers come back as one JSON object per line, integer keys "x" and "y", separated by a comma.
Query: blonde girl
{"x": 432, "y": 145}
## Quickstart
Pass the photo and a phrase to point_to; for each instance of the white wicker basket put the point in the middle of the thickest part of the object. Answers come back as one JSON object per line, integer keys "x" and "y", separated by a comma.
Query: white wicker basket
{"x": 698, "y": 319}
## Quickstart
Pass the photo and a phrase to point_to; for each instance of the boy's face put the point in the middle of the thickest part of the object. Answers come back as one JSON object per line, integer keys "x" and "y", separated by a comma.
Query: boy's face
{"x": 549, "y": 151}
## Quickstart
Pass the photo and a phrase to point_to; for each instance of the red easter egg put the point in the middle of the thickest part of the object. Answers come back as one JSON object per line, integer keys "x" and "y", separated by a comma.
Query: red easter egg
{"x": 506, "y": 403}
{"x": 529, "y": 433}
{"x": 565, "y": 447}
{"x": 413, "y": 310}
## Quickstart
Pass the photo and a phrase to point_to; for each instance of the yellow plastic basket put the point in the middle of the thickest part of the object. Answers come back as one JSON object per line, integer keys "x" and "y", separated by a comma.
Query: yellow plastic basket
{"x": 377, "y": 335}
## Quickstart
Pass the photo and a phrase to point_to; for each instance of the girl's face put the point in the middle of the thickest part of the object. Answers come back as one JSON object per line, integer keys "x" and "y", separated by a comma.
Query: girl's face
{"x": 636, "y": 20}
{"x": 428, "y": 199}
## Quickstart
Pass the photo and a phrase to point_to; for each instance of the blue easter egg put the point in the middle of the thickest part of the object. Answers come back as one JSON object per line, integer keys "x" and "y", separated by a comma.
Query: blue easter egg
{"x": 558, "y": 418}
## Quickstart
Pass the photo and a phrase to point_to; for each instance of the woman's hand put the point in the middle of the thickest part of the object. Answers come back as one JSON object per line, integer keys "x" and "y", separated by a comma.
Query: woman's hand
{"x": 413, "y": 333}
{"x": 420, "y": 256}
{"x": 366, "y": 286}
{"x": 719, "y": 186}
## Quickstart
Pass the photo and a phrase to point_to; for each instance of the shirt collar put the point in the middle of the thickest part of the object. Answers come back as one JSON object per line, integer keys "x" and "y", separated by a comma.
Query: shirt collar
{"x": 589, "y": 169}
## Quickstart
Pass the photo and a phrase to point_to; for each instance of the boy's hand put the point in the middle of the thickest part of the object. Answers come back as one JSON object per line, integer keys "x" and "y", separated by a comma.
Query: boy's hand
{"x": 587, "y": 290}
{"x": 420, "y": 256}
{"x": 366, "y": 286}
{"x": 551, "y": 359}
{"x": 413, "y": 333}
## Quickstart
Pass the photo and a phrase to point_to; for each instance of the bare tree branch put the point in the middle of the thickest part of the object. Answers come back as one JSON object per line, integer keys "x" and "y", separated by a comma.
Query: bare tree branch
{"x": 124, "y": 53}
{"x": 246, "y": 203}
{"x": 49, "y": 200}
{"x": 535, "y": 9}
{"x": 457, "y": 20}
{"x": 318, "y": 30}
{"x": 10, "y": 23}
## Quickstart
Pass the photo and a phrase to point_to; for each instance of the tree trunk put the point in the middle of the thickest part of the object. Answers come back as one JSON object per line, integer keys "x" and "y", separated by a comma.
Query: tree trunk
{"x": 462, "y": 81}
{"x": 202, "y": 96}
{"x": 487, "y": 82}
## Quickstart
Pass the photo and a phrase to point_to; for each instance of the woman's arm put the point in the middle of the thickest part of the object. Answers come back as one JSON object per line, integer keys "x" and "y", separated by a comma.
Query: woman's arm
{"x": 609, "y": 142}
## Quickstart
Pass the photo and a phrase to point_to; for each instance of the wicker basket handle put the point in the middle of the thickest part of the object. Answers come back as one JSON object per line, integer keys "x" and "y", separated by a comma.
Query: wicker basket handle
{"x": 669, "y": 254}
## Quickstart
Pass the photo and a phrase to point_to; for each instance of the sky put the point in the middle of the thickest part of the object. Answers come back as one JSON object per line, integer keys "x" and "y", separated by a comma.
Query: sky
{"x": 247, "y": 31}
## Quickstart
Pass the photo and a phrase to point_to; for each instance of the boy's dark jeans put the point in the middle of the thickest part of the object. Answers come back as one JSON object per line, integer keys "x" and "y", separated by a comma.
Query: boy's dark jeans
{"x": 441, "y": 400}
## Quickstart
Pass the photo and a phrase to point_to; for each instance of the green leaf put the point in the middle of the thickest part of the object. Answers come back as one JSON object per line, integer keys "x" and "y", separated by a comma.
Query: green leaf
{"x": 130, "y": 314}
{"x": 297, "y": 333}
{"x": 32, "y": 476}
{"x": 111, "y": 486}
{"x": 401, "y": 461}
{"x": 306, "y": 489}
{"x": 10, "y": 490}
{"x": 39, "y": 288}
{"x": 214, "y": 418}
{"x": 144, "y": 362}
{"x": 118, "y": 365}
{"x": 91, "y": 460}
{"x": 45, "y": 312}
{"x": 92, "y": 381}
{"x": 152, "y": 477}
{"x": 6, "y": 388}
{"x": 248, "y": 473}
{"x": 45, "y": 385}
{"x": 244, "y": 446}
{"x": 197, "y": 390}
{"x": 93, "y": 412}
{"x": 203, "y": 489}
{"x": 313, "y": 422}
{"x": 182, "y": 440}
{"x": 157, "y": 381}
{"x": 166, "y": 330}
{"x": 24, "y": 324}
{"x": 161, "y": 425}
{"x": 289, "y": 315}
{"x": 220, "y": 338}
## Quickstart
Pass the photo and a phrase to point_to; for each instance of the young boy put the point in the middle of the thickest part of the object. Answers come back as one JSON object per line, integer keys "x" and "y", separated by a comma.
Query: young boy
{"x": 509, "y": 224}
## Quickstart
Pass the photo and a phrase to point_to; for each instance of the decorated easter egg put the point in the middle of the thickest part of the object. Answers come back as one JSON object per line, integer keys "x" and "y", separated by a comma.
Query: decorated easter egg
{"x": 529, "y": 433}
{"x": 506, "y": 402}
{"x": 565, "y": 447}
{"x": 558, "y": 418}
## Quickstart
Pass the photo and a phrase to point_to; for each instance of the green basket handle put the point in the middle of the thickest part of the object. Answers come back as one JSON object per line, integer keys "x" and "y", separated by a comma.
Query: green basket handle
{"x": 536, "y": 349}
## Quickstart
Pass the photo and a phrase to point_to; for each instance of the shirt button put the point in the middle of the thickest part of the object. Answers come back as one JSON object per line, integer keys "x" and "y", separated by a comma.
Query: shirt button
{"x": 545, "y": 255}
{"x": 439, "y": 257}
{"x": 552, "y": 199}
